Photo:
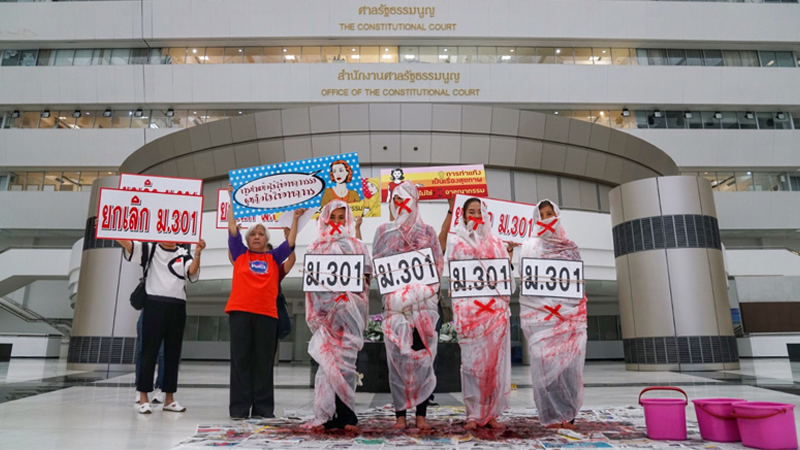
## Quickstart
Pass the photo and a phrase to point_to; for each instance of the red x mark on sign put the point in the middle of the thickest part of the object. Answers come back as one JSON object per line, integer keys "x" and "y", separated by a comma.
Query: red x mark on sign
{"x": 402, "y": 205}
{"x": 486, "y": 307}
{"x": 553, "y": 312}
{"x": 341, "y": 297}
{"x": 547, "y": 227}
{"x": 335, "y": 227}
{"x": 478, "y": 221}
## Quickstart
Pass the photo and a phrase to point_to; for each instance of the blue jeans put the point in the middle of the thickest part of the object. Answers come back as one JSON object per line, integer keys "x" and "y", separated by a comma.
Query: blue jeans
{"x": 160, "y": 379}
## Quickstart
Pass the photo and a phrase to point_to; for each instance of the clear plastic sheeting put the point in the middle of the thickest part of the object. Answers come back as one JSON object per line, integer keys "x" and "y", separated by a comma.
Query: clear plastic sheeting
{"x": 555, "y": 329}
{"x": 414, "y": 307}
{"x": 483, "y": 328}
{"x": 336, "y": 319}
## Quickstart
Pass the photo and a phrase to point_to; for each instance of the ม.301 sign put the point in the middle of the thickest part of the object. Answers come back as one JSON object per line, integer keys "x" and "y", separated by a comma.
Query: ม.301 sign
{"x": 398, "y": 271}
{"x": 480, "y": 278}
{"x": 333, "y": 273}
{"x": 558, "y": 278}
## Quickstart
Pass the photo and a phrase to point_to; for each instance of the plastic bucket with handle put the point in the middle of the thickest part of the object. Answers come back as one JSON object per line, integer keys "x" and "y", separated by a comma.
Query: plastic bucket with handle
{"x": 764, "y": 425}
{"x": 665, "y": 417}
{"x": 715, "y": 420}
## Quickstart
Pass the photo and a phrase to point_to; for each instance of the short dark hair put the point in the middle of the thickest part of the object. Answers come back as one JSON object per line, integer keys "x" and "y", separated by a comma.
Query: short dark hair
{"x": 402, "y": 174}
{"x": 466, "y": 204}
{"x": 544, "y": 203}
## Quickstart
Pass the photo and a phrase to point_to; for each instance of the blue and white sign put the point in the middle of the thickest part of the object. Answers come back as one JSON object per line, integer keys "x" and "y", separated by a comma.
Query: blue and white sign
{"x": 310, "y": 183}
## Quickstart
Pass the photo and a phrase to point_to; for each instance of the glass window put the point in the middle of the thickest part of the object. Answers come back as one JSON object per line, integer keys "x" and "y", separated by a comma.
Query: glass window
{"x": 487, "y": 55}
{"x": 768, "y": 59}
{"x": 101, "y": 121}
{"x": 310, "y": 55}
{"x": 159, "y": 119}
{"x": 101, "y": 57}
{"x": 766, "y": 121}
{"x": 46, "y": 58}
{"x": 782, "y": 121}
{"x": 224, "y": 330}
{"x": 621, "y": 56}
{"x": 11, "y": 57}
{"x": 389, "y": 55}
{"x": 234, "y": 55}
{"x": 675, "y": 120}
{"x": 291, "y": 54}
{"x": 195, "y": 55}
{"x": 656, "y": 57}
{"x": 86, "y": 120}
{"x": 214, "y": 55}
{"x": 607, "y": 328}
{"x": 600, "y": 118}
{"x": 252, "y": 55}
{"x": 583, "y": 56}
{"x": 676, "y": 57}
{"x": 796, "y": 121}
{"x": 234, "y": 113}
{"x": 545, "y": 55}
{"x": 139, "y": 55}
{"x": 142, "y": 120}
{"x": 430, "y": 55}
{"x": 762, "y": 182}
{"x": 65, "y": 119}
{"x": 176, "y": 55}
{"x": 208, "y": 328}
{"x": 87, "y": 178}
{"x": 525, "y": 55}
{"x": 30, "y": 119}
{"x": 213, "y": 115}
{"x": 64, "y": 57}
{"x": 726, "y": 181}
{"x": 370, "y": 54}
{"x": 729, "y": 121}
{"x": 179, "y": 119}
{"x": 712, "y": 57}
{"x": 747, "y": 120}
{"x": 506, "y": 55}
{"x": 749, "y": 58}
{"x": 710, "y": 121}
{"x": 731, "y": 58}
{"x": 712, "y": 178}
{"x": 331, "y": 55}
{"x": 592, "y": 331}
{"x": 694, "y": 57}
{"x": 47, "y": 119}
{"x": 16, "y": 181}
{"x": 190, "y": 332}
{"x": 785, "y": 59}
{"x": 467, "y": 55}
{"x": 52, "y": 181}
{"x": 194, "y": 119}
{"x": 28, "y": 58}
{"x": 656, "y": 119}
{"x": 121, "y": 119}
{"x": 641, "y": 119}
{"x": 272, "y": 55}
{"x": 744, "y": 181}
{"x": 120, "y": 56}
{"x": 34, "y": 181}
{"x": 601, "y": 56}
{"x": 693, "y": 119}
{"x": 585, "y": 116}
{"x": 619, "y": 121}
{"x": 409, "y": 54}
{"x": 157, "y": 56}
{"x": 450, "y": 54}
{"x": 83, "y": 57}
{"x": 70, "y": 181}
{"x": 564, "y": 56}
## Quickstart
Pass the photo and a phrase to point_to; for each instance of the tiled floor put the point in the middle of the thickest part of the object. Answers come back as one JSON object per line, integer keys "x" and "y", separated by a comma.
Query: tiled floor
{"x": 45, "y": 406}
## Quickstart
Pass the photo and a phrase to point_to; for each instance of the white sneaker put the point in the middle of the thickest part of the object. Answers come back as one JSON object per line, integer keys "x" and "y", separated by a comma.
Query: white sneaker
{"x": 175, "y": 407}
{"x": 158, "y": 397}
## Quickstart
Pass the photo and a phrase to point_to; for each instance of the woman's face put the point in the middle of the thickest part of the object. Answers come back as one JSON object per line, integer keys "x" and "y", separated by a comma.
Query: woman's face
{"x": 397, "y": 174}
{"x": 372, "y": 188}
{"x": 257, "y": 239}
{"x": 337, "y": 216}
{"x": 339, "y": 173}
{"x": 547, "y": 212}
{"x": 473, "y": 209}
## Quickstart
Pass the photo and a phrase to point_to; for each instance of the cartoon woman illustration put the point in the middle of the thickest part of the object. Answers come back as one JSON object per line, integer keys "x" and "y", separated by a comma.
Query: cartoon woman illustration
{"x": 395, "y": 179}
{"x": 341, "y": 174}
{"x": 372, "y": 201}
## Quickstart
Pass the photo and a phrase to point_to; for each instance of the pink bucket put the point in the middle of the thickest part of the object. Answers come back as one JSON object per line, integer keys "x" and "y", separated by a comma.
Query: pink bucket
{"x": 768, "y": 426}
{"x": 665, "y": 417}
{"x": 715, "y": 419}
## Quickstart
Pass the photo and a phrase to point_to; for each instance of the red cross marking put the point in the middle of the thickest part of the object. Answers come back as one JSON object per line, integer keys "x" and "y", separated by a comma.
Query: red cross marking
{"x": 477, "y": 220}
{"x": 547, "y": 227}
{"x": 343, "y": 296}
{"x": 335, "y": 227}
{"x": 486, "y": 307}
{"x": 403, "y": 205}
{"x": 553, "y": 312}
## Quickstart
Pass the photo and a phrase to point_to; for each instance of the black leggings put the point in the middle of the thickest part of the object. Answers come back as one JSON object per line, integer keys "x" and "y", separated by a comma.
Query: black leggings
{"x": 162, "y": 321}
{"x": 343, "y": 416}
{"x": 422, "y": 408}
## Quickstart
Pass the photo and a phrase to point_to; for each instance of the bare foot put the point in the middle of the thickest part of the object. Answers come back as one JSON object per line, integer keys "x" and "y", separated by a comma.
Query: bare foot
{"x": 318, "y": 429}
{"x": 351, "y": 428}
{"x": 422, "y": 424}
{"x": 400, "y": 424}
{"x": 471, "y": 425}
{"x": 495, "y": 425}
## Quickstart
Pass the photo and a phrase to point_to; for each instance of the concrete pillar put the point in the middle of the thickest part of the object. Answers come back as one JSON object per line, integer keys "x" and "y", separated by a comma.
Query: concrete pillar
{"x": 673, "y": 295}
{"x": 104, "y": 324}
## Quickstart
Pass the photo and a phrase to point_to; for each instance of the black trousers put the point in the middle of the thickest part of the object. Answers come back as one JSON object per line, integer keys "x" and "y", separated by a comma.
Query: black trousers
{"x": 161, "y": 322}
{"x": 254, "y": 338}
{"x": 343, "y": 416}
{"x": 422, "y": 408}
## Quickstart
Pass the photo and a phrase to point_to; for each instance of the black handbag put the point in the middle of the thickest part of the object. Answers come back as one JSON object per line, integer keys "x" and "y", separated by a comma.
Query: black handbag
{"x": 284, "y": 322}
{"x": 139, "y": 295}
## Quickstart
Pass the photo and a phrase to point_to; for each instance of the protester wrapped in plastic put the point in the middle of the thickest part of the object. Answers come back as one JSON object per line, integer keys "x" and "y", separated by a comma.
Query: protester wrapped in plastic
{"x": 555, "y": 328}
{"x": 412, "y": 310}
{"x": 337, "y": 321}
{"x": 482, "y": 323}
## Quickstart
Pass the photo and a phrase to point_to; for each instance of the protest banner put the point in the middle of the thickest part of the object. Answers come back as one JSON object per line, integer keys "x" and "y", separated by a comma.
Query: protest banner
{"x": 510, "y": 221}
{"x": 269, "y": 220}
{"x": 437, "y": 182}
{"x": 164, "y": 185}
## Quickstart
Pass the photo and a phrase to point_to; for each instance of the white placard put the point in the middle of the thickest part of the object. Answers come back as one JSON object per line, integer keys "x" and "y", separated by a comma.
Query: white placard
{"x": 510, "y": 221}
{"x": 164, "y": 185}
{"x": 480, "y": 278}
{"x": 333, "y": 273}
{"x": 148, "y": 216}
{"x": 398, "y": 271}
{"x": 558, "y": 278}
{"x": 285, "y": 219}
{"x": 224, "y": 202}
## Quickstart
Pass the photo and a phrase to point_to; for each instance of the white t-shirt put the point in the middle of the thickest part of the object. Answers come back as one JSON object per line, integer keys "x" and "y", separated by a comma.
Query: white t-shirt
{"x": 166, "y": 278}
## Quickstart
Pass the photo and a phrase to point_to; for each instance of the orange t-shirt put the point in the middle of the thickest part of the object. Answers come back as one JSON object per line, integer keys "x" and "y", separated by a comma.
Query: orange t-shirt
{"x": 255, "y": 278}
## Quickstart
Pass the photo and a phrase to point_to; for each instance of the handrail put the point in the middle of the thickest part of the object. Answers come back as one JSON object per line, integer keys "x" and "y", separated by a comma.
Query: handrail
{"x": 25, "y": 247}
{"x": 62, "y": 325}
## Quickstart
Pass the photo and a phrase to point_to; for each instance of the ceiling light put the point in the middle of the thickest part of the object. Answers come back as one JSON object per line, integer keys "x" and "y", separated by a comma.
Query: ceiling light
{"x": 442, "y": 56}
{"x": 62, "y": 118}
{"x": 657, "y": 114}
{"x": 387, "y": 49}
{"x": 284, "y": 50}
{"x": 558, "y": 50}
{"x": 749, "y": 173}
{"x": 170, "y": 112}
{"x": 409, "y": 57}
{"x": 555, "y": 112}
{"x": 351, "y": 49}
{"x": 240, "y": 112}
{"x": 604, "y": 51}
{"x": 705, "y": 173}
{"x": 107, "y": 113}
{"x": 152, "y": 125}
{"x": 688, "y": 115}
{"x": 771, "y": 63}
{"x": 194, "y": 112}
{"x": 130, "y": 113}
{"x": 290, "y": 57}
{"x": 749, "y": 115}
{"x": 194, "y": 50}
{"x": 781, "y": 116}
{"x": 203, "y": 58}
{"x": 76, "y": 113}
{"x": 88, "y": 113}
{"x": 45, "y": 114}
{"x": 355, "y": 56}
{"x": 15, "y": 114}
{"x": 240, "y": 50}
{"x": 505, "y": 57}
{"x": 602, "y": 113}
{"x": 512, "y": 50}
{"x": 718, "y": 115}
{"x": 138, "y": 113}
{"x": 446, "y": 50}
{"x": 386, "y": 56}
{"x": 594, "y": 58}
{"x": 626, "y": 112}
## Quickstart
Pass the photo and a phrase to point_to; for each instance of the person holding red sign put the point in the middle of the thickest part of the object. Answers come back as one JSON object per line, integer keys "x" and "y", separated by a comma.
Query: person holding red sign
{"x": 253, "y": 314}
{"x": 410, "y": 313}
{"x": 337, "y": 320}
{"x": 482, "y": 323}
{"x": 555, "y": 328}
